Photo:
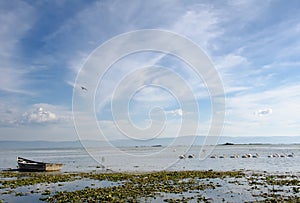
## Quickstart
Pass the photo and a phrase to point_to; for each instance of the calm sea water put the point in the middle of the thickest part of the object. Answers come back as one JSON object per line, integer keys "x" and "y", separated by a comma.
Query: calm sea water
{"x": 157, "y": 158}
{"x": 140, "y": 159}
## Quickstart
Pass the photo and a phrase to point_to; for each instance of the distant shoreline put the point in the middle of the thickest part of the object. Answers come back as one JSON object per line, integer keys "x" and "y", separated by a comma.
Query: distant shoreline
{"x": 160, "y": 142}
{"x": 141, "y": 146}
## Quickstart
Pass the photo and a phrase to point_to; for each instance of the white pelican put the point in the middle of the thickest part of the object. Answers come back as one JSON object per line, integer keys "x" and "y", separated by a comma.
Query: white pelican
{"x": 291, "y": 155}
{"x": 234, "y": 156}
{"x": 249, "y": 155}
{"x": 182, "y": 156}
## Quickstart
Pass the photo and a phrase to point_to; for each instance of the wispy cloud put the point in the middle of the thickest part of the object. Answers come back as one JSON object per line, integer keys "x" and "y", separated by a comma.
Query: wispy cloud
{"x": 281, "y": 104}
{"x": 231, "y": 60}
{"x": 16, "y": 19}
{"x": 200, "y": 24}
{"x": 254, "y": 46}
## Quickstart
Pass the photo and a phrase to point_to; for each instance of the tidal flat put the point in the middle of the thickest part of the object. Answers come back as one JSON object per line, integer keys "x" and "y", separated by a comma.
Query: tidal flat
{"x": 164, "y": 186}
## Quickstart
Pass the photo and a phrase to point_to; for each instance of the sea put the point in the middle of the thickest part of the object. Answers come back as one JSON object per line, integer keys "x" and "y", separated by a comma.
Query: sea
{"x": 268, "y": 158}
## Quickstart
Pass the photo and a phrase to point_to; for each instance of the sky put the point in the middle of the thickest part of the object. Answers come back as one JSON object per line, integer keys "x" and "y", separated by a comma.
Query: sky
{"x": 254, "y": 46}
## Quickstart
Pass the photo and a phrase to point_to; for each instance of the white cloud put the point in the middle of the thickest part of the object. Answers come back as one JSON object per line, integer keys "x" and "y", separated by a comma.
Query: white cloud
{"x": 43, "y": 114}
{"x": 231, "y": 60}
{"x": 176, "y": 112}
{"x": 39, "y": 116}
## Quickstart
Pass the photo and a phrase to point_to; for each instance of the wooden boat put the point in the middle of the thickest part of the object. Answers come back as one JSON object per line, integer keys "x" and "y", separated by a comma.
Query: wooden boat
{"x": 29, "y": 165}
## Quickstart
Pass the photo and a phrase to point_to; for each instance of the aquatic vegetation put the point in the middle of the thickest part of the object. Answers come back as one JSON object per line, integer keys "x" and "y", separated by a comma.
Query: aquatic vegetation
{"x": 19, "y": 194}
{"x": 147, "y": 185}
{"x": 24, "y": 179}
{"x": 275, "y": 188}
{"x": 290, "y": 199}
{"x": 46, "y": 192}
{"x": 167, "y": 186}
{"x": 296, "y": 189}
{"x": 183, "y": 199}
{"x": 279, "y": 181}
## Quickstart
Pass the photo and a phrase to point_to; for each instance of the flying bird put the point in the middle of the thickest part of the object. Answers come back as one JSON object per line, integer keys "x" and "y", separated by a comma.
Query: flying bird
{"x": 84, "y": 88}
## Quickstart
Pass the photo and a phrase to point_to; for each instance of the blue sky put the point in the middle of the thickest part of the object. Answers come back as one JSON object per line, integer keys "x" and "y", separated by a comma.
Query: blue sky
{"x": 254, "y": 45}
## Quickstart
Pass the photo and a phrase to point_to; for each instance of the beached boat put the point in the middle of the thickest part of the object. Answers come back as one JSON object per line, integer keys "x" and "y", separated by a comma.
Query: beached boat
{"x": 29, "y": 165}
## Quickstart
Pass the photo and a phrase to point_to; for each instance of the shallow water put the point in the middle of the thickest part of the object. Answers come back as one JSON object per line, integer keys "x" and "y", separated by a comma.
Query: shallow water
{"x": 33, "y": 193}
{"x": 141, "y": 159}
{"x": 241, "y": 187}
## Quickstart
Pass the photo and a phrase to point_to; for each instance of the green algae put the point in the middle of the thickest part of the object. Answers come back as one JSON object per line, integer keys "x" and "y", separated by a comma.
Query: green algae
{"x": 278, "y": 188}
{"x": 167, "y": 186}
{"x": 281, "y": 181}
{"x": 25, "y": 179}
{"x": 137, "y": 186}
{"x": 280, "y": 199}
